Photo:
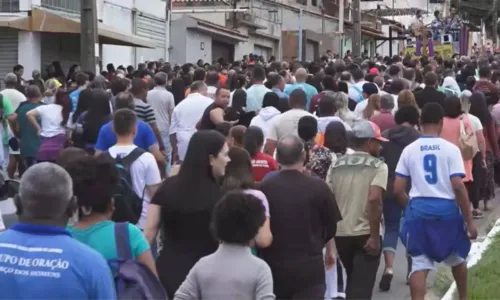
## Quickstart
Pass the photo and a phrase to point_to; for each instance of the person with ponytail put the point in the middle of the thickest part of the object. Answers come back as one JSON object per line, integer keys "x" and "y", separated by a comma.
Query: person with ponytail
{"x": 253, "y": 141}
{"x": 54, "y": 126}
{"x": 51, "y": 88}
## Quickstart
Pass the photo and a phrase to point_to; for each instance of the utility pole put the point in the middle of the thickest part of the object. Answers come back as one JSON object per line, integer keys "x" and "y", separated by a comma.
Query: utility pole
{"x": 494, "y": 24}
{"x": 88, "y": 34}
{"x": 168, "y": 23}
{"x": 356, "y": 32}
{"x": 341, "y": 27}
{"x": 301, "y": 42}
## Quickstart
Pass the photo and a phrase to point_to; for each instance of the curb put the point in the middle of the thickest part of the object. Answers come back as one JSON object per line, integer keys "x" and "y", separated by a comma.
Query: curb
{"x": 475, "y": 254}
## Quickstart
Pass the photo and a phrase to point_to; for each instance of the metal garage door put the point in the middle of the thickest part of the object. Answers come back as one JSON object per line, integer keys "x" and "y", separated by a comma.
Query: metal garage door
{"x": 153, "y": 29}
{"x": 8, "y": 52}
{"x": 263, "y": 51}
{"x": 64, "y": 48}
{"x": 222, "y": 50}
{"x": 310, "y": 51}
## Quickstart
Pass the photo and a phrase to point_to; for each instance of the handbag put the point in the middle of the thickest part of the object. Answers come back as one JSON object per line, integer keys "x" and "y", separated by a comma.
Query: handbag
{"x": 467, "y": 142}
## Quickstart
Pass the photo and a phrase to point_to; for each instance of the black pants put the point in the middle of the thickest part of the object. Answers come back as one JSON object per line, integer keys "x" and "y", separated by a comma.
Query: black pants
{"x": 361, "y": 268}
{"x": 474, "y": 187}
{"x": 29, "y": 161}
{"x": 300, "y": 279}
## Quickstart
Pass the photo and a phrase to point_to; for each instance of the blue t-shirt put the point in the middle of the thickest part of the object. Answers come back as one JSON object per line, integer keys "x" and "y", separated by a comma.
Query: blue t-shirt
{"x": 144, "y": 137}
{"x": 306, "y": 87}
{"x": 101, "y": 237}
{"x": 38, "y": 261}
{"x": 74, "y": 99}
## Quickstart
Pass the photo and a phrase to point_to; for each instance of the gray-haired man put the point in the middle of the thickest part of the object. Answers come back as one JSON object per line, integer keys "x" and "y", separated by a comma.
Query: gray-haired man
{"x": 38, "y": 256}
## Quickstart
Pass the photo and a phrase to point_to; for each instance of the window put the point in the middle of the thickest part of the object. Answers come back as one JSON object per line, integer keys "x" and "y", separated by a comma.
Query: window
{"x": 314, "y": 2}
{"x": 66, "y": 5}
{"x": 7, "y": 6}
{"x": 302, "y": 2}
{"x": 436, "y": 1}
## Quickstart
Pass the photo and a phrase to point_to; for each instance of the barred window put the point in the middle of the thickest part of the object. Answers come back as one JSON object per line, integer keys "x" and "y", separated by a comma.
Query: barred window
{"x": 7, "y": 6}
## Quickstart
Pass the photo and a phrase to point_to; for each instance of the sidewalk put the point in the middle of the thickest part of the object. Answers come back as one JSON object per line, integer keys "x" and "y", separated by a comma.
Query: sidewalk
{"x": 399, "y": 289}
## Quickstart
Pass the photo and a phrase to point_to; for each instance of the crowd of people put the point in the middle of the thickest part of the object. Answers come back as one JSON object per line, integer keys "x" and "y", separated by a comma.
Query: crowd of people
{"x": 248, "y": 180}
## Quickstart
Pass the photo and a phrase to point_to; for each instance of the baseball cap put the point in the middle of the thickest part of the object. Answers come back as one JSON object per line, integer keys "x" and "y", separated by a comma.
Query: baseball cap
{"x": 370, "y": 88}
{"x": 57, "y": 83}
{"x": 364, "y": 129}
{"x": 374, "y": 71}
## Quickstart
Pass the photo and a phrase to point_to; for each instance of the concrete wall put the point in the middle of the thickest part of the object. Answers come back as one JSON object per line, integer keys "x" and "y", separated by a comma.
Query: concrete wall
{"x": 29, "y": 52}
{"x": 198, "y": 46}
{"x": 120, "y": 18}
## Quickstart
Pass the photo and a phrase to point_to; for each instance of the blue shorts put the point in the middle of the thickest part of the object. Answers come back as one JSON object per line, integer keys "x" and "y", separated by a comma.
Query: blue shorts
{"x": 434, "y": 230}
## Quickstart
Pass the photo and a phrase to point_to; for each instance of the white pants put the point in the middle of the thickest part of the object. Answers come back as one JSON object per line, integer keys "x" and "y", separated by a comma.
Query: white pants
{"x": 333, "y": 290}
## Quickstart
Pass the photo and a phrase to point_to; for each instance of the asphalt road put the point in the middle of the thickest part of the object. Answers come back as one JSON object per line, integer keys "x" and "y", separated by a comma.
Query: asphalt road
{"x": 399, "y": 289}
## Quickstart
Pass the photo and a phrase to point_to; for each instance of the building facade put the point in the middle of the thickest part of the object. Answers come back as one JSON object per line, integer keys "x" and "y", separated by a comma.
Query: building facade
{"x": 34, "y": 33}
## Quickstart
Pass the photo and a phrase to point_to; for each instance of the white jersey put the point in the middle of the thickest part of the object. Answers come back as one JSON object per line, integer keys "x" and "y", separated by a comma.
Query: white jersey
{"x": 430, "y": 163}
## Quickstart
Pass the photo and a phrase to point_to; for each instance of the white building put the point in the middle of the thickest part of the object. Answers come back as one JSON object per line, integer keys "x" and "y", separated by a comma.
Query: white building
{"x": 34, "y": 33}
{"x": 208, "y": 30}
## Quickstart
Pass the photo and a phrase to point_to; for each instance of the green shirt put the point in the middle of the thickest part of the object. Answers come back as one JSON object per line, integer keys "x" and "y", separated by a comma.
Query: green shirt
{"x": 7, "y": 111}
{"x": 29, "y": 139}
{"x": 101, "y": 237}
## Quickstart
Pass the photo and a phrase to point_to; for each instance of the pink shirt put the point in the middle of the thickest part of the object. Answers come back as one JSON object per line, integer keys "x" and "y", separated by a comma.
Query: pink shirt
{"x": 451, "y": 133}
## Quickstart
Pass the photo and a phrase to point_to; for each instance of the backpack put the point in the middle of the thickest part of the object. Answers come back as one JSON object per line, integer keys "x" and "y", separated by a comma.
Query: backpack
{"x": 133, "y": 280}
{"x": 128, "y": 206}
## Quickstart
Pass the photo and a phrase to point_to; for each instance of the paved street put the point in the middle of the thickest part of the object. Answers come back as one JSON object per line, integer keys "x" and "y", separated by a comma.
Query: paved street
{"x": 399, "y": 289}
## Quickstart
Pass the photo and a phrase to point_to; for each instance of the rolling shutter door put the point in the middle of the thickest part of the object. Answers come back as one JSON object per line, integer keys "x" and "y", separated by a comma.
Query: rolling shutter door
{"x": 62, "y": 48}
{"x": 155, "y": 30}
{"x": 310, "y": 47}
{"x": 263, "y": 51}
{"x": 8, "y": 51}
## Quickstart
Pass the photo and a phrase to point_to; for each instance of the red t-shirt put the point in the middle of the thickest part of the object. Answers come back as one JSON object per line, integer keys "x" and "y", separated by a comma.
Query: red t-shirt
{"x": 261, "y": 165}
{"x": 314, "y": 102}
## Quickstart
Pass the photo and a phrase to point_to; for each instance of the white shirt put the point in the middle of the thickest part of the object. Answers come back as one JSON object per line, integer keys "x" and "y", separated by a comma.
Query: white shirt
{"x": 143, "y": 172}
{"x": 475, "y": 123}
{"x": 286, "y": 123}
{"x": 51, "y": 117}
{"x": 211, "y": 90}
{"x": 14, "y": 96}
{"x": 360, "y": 107}
{"x": 162, "y": 102}
{"x": 430, "y": 163}
{"x": 184, "y": 118}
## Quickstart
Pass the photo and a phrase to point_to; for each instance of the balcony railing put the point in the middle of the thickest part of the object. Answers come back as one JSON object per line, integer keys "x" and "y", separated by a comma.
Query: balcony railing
{"x": 65, "y": 5}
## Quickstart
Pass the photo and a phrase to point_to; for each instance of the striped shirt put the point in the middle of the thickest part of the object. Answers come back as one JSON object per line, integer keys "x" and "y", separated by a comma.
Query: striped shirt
{"x": 144, "y": 111}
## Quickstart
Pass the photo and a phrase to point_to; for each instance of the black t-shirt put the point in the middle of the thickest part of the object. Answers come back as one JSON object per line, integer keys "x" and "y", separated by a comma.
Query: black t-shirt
{"x": 304, "y": 216}
{"x": 206, "y": 122}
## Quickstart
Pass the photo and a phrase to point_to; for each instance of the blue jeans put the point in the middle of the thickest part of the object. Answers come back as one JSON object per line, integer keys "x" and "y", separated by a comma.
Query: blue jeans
{"x": 168, "y": 149}
{"x": 392, "y": 219}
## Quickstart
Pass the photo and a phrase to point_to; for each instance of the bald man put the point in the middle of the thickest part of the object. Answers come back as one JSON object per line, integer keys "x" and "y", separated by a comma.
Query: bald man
{"x": 38, "y": 256}
{"x": 299, "y": 274}
{"x": 300, "y": 83}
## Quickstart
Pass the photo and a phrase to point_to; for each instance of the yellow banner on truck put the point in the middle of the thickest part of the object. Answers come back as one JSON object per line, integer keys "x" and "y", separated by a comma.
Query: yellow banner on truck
{"x": 446, "y": 51}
